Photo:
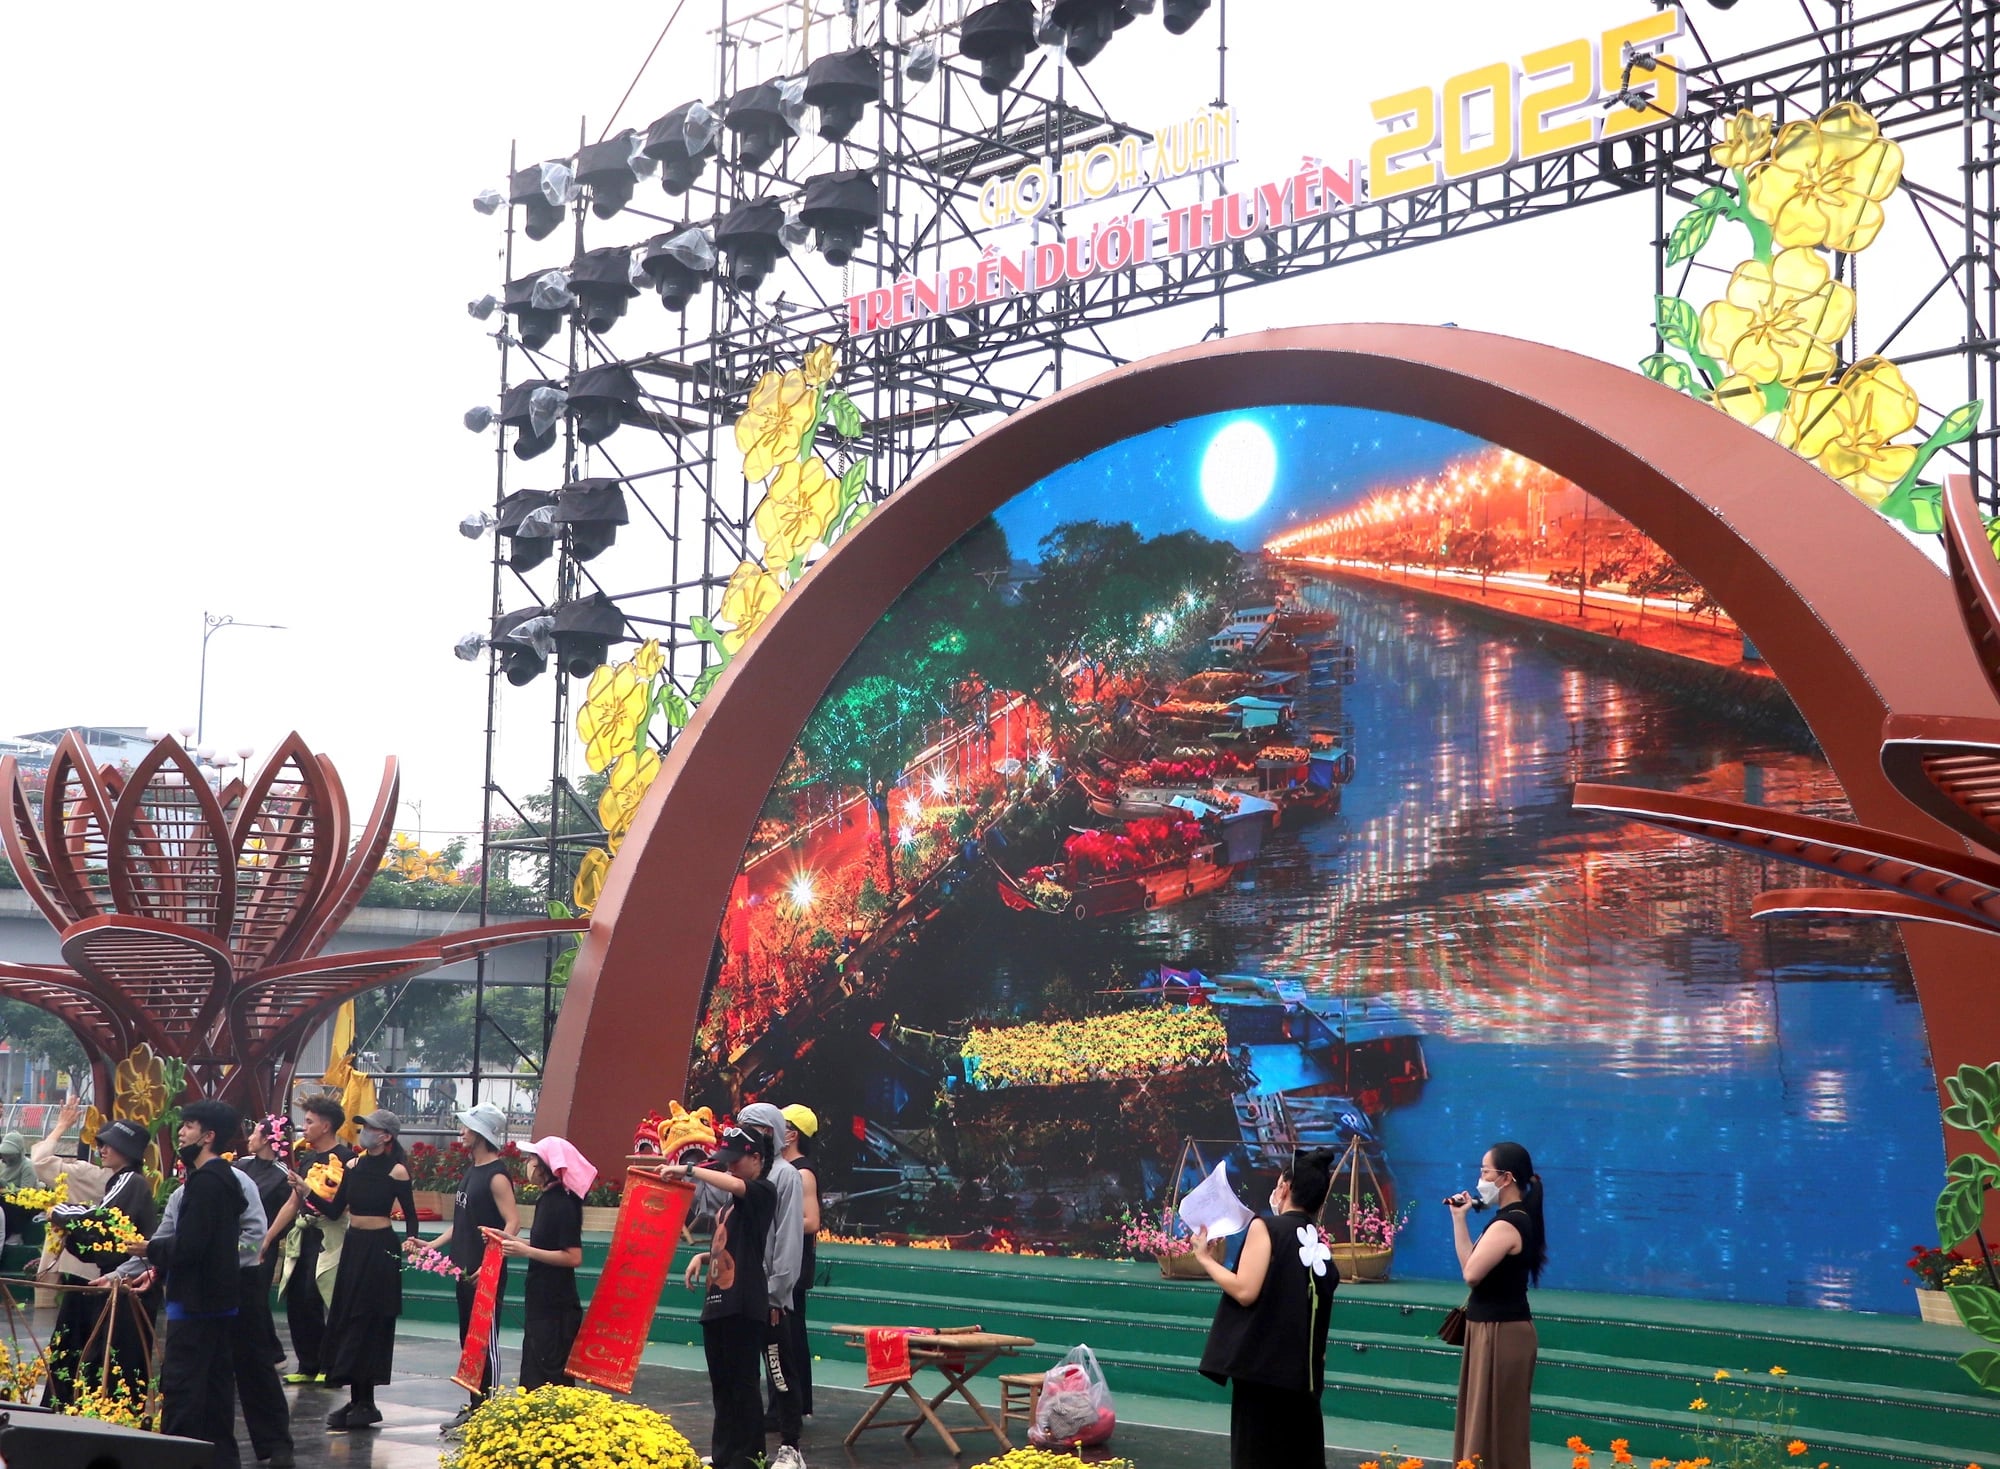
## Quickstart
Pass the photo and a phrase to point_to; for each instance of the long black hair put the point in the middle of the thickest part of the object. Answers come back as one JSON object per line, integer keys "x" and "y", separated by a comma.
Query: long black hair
{"x": 1310, "y": 1177}
{"x": 1511, "y": 1157}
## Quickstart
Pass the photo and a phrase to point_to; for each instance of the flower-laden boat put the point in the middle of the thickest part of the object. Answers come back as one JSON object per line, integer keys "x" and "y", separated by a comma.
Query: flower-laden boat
{"x": 1142, "y": 864}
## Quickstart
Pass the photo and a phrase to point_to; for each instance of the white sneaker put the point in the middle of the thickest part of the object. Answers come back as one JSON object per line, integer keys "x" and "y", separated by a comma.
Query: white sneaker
{"x": 788, "y": 1457}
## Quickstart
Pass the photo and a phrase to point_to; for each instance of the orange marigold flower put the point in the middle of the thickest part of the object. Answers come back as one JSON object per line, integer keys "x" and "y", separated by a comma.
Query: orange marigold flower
{"x": 1796, "y": 1447}
{"x": 1698, "y": 1405}
{"x": 1576, "y": 1445}
{"x": 1410, "y": 1464}
{"x": 1722, "y": 1374}
{"x": 1778, "y": 1372}
{"x": 1581, "y": 1461}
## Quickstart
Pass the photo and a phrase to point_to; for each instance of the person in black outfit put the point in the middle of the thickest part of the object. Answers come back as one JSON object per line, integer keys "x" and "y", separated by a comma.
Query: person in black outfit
{"x": 1268, "y": 1340}
{"x": 734, "y": 1312}
{"x": 553, "y": 1250}
{"x": 121, "y": 1148}
{"x": 204, "y": 1285}
{"x": 267, "y": 1415}
{"x": 307, "y": 1275}
{"x": 368, "y": 1291}
{"x": 485, "y": 1201}
{"x": 802, "y": 1126}
{"x": 1496, "y": 1373}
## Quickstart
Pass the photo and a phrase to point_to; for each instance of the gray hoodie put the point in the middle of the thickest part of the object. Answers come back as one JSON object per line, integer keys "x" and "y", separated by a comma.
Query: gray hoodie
{"x": 785, "y": 1244}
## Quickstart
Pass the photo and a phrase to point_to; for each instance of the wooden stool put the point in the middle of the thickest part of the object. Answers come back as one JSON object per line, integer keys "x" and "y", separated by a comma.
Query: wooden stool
{"x": 1020, "y": 1393}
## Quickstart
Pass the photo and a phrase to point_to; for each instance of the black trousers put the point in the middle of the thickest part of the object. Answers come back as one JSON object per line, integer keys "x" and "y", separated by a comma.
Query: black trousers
{"x": 70, "y": 1367}
{"x": 1274, "y": 1428}
{"x": 798, "y": 1363}
{"x": 468, "y": 1288}
{"x": 733, "y": 1345}
{"x": 305, "y": 1312}
{"x": 267, "y": 1413}
{"x": 545, "y": 1342}
{"x": 781, "y": 1369}
{"x": 198, "y": 1385}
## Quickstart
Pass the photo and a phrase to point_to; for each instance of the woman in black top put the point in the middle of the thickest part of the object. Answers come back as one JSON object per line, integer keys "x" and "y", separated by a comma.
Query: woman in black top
{"x": 485, "y": 1201}
{"x": 368, "y": 1290}
{"x": 734, "y": 1312}
{"x": 121, "y": 1148}
{"x": 1496, "y": 1374}
{"x": 553, "y": 1250}
{"x": 1268, "y": 1341}
{"x": 274, "y": 1189}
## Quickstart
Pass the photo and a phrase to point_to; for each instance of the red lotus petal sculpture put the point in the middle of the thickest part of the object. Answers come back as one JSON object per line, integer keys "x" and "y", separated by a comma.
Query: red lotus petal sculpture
{"x": 1948, "y": 766}
{"x": 190, "y": 918}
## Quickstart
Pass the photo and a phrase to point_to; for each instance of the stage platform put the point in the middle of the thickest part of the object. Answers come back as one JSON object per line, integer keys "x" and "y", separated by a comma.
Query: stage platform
{"x": 1869, "y": 1391}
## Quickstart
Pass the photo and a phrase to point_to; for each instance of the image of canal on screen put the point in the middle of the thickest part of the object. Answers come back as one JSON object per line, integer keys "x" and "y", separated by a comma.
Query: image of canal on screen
{"x": 1211, "y": 799}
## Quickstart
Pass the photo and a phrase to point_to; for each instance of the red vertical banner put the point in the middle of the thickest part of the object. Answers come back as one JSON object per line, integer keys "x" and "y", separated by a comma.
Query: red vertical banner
{"x": 620, "y": 1315}
{"x": 479, "y": 1332}
{"x": 739, "y": 917}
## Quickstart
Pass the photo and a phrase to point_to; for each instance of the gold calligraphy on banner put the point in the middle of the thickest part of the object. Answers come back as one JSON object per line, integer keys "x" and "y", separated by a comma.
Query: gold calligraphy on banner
{"x": 620, "y": 1315}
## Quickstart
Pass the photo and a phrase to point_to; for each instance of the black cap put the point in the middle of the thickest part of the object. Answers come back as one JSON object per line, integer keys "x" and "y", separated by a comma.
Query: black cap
{"x": 128, "y": 1139}
{"x": 737, "y": 1142}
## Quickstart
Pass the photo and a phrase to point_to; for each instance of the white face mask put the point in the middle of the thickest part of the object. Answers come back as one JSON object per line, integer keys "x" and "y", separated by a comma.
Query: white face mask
{"x": 1489, "y": 1192}
{"x": 370, "y": 1138}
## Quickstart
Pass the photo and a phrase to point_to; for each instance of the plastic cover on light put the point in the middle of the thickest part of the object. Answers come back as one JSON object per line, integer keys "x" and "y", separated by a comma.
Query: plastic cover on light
{"x": 488, "y": 201}
{"x": 482, "y": 308}
{"x": 693, "y": 248}
{"x": 545, "y": 406}
{"x": 551, "y": 291}
{"x": 479, "y": 419}
{"x": 700, "y": 128}
{"x": 793, "y": 234}
{"x": 476, "y": 525}
{"x": 469, "y": 647}
{"x": 923, "y": 63}
{"x": 792, "y": 100}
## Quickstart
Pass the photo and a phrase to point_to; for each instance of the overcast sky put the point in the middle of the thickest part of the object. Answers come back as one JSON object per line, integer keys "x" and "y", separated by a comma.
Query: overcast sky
{"x": 239, "y": 244}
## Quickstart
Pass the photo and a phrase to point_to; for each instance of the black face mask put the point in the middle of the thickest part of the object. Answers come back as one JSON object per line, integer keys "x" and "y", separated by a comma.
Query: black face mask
{"x": 190, "y": 1155}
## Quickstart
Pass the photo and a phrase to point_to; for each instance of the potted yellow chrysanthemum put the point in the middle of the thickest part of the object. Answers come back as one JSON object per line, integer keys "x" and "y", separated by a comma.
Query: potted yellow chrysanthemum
{"x": 569, "y": 1428}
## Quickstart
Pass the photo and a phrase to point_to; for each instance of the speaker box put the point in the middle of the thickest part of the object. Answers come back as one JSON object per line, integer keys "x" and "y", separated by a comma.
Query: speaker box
{"x": 33, "y": 1439}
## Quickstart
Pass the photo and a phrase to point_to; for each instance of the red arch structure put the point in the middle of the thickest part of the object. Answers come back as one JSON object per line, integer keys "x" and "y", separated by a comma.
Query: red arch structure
{"x": 1855, "y": 621}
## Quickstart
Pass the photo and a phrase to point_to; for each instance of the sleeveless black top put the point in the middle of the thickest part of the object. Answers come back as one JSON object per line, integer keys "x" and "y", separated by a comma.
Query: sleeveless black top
{"x": 809, "y": 1260}
{"x": 1280, "y": 1339}
{"x": 368, "y": 1188}
{"x": 1503, "y": 1294}
{"x": 473, "y": 1208}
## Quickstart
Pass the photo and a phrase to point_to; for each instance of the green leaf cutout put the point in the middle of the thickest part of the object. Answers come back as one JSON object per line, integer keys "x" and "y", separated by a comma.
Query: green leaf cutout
{"x": 846, "y": 417}
{"x": 853, "y": 481}
{"x": 1676, "y": 321}
{"x": 706, "y": 682}
{"x": 1979, "y": 1308}
{"x": 1975, "y": 1098}
{"x": 565, "y": 961}
{"x": 1962, "y": 1201}
{"x": 1669, "y": 370}
{"x": 1690, "y": 233}
{"x": 1984, "y": 1368}
{"x": 811, "y": 437}
{"x": 703, "y": 629}
{"x": 559, "y": 909}
{"x": 674, "y": 708}
{"x": 1919, "y": 507}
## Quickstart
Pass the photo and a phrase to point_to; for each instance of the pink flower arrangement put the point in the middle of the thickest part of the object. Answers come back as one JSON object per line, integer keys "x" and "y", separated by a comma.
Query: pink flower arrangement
{"x": 431, "y": 1262}
{"x": 279, "y": 1131}
{"x": 1374, "y": 1225}
{"x": 1143, "y": 1234}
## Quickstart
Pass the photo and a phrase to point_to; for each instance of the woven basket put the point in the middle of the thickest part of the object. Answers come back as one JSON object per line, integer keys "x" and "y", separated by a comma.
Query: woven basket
{"x": 1363, "y": 1262}
{"x": 1185, "y": 1266}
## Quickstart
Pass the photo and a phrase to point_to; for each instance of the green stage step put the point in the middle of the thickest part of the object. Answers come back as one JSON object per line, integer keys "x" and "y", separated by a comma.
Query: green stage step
{"x": 1870, "y": 1392}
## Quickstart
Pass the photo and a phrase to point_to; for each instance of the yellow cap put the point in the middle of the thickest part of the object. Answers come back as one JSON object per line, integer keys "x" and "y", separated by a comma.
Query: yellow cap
{"x": 803, "y": 1118}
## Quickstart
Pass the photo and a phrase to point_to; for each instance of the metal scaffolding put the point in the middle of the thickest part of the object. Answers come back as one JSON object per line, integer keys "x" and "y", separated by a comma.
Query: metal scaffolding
{"x": 1927, "y": 71}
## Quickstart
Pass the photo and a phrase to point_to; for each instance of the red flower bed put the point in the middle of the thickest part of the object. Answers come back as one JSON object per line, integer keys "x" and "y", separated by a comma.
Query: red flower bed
{"x": 1190, "y": 768}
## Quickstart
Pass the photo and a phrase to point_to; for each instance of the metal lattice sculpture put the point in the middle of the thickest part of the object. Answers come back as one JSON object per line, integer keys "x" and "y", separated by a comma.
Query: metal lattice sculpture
{"x": 1947, "y": 766}
{"x": 191, "y": 917}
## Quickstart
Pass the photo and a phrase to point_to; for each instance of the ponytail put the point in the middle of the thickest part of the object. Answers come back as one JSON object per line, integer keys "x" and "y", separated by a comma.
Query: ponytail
{"x": 1512, "y": 1158}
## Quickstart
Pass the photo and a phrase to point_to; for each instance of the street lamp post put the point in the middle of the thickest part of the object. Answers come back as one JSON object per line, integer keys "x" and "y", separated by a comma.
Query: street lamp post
{"x": 211, "y": 624}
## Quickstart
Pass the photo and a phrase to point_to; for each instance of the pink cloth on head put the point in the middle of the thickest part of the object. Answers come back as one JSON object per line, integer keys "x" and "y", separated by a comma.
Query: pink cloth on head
{"x": 572, "y": 1170}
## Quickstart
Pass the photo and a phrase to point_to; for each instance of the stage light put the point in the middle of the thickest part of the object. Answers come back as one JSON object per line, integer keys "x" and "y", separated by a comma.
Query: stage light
{"x": 757, "y": 115}
{"x": 600, "y": 397}
{"x": 1182, "y": 14}
{"x": 613, "y": 169}
{"x": 601, "y": 281}
{"x": 523, "y": 640}
{"x": 749, "y": 236}
{"x": 999, "y": 37}
{"x": 527, "y": 524}
{"x": 678, "y": 263}
{"x": 923, "y": 63}
{"x": 484, "y": 307}
{"x": 479, "y": 419}
{"x": 592, "y": 509}
{"x": 841, "y": 208}
{"x": 1087, "y": 26}
{"x": 841, "y": 86}
{"x": 584, "y": 632}
{"x": 681, "y": 142}
{"x": 910, "y": 7}
{"x": 543, "y": 189}
{"x": 468, "y": 647}
{"x": 537, "y": 304}
{"x": 532, "y": 409}
{"x": 475, "y": 525}
{"x": 488, "y": 201}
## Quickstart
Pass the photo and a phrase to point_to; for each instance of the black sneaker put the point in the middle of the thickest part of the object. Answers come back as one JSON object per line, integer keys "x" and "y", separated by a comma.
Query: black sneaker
{"x": 456, "y": 1423}
{"x": 347, "y": 1418}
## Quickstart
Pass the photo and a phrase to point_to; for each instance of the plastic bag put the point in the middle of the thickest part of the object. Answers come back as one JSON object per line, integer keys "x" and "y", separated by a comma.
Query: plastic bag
{"x": 1075, "y": 1406}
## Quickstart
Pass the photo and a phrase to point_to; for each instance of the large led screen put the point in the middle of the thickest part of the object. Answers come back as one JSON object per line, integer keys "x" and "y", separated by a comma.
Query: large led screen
{"x": 1212, "y": 799}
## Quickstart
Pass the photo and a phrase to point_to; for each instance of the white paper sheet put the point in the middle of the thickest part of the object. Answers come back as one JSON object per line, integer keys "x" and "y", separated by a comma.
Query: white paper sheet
{"x": 1212, "y": 1205}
